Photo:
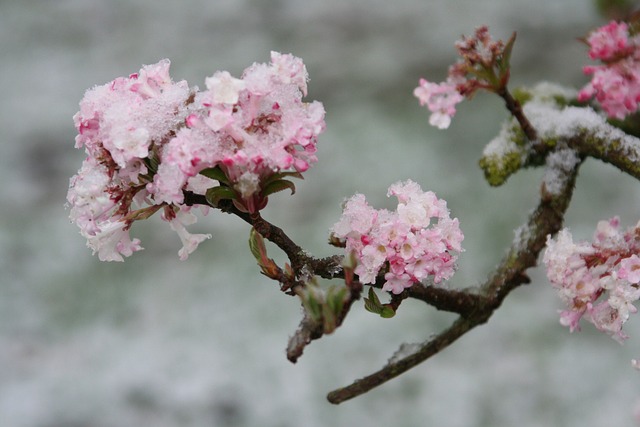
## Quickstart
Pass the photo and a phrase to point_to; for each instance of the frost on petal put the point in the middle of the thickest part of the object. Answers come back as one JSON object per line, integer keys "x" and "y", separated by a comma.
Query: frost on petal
{"x": 413, "y": 214}
{"x": 397, "y": 284}
{"x": 113, "y": 241}
{"x": 290, "y": 69}
{"x": 248, "y": 184}
{"x": 88, "y": 196}
{"x": 124, "y": 118}
{"x": 152, "y": 79}
{"x": 167, "y": 184}
{"x": 357, "y": 218}
{"x": 596, "y": 280}
{"x": 607, "y": 319}
{"x": 189, "y": 241}
{"x": 199, "y": 184}
{"x": 630, "y": 269}
{"x": 224, "y": 87}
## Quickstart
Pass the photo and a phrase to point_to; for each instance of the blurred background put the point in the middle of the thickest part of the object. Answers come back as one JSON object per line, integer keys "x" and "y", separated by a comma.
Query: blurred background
{"x": 159, "y": 342}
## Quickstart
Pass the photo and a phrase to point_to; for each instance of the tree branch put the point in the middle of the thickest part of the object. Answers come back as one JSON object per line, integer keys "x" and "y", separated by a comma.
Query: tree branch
{"x": 622, "y": 152}
{"x": 452, "y": 300}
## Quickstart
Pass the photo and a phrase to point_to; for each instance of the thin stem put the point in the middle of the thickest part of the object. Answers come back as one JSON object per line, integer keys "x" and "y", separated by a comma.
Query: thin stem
{"x": 515, "y": 109}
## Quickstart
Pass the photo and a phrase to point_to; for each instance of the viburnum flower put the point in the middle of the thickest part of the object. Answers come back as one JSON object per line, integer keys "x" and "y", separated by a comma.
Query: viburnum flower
{"x": 441, "y": 99}
{"x": 599, "y": 280}
{"x": 250, "y": 129}
{"x": 616, "y": 83}
{"x": 483, "y": 64}
{"x": 148, "y": 140}
{"x": 417, "y": 241}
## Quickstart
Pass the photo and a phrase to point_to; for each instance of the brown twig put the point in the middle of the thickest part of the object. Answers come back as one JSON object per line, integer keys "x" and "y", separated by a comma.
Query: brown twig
{"x": 327, "y": 268}
{"x": 308, "y": 331}
{"x": 515, "y": 109}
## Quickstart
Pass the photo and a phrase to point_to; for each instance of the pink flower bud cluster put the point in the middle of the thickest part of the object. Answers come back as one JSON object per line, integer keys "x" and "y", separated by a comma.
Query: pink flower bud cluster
{"x": 409, "y": 245}
{"x": 483, "y": 64}
{"x": 147, "y": 138}
{"x": 598, "y": 281}
{"x": 616, "y": 83}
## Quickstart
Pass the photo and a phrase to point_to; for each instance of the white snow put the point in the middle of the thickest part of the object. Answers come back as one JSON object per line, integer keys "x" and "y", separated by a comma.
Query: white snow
{"x": 559, "y": 164}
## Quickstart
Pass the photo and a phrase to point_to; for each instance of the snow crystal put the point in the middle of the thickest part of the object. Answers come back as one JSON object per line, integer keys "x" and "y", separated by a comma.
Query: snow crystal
{"x": 559, "y": 164}
{"x": 521, "y": 237}
{"x": 553, "y": 122}
{"x": 548, "y": 91}
{"x": 502, "y": 144}
{"x": 405, "y": 350}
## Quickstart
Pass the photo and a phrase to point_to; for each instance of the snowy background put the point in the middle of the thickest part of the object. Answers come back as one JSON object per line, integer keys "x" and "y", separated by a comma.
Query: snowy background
{"x": 159, "y": 342}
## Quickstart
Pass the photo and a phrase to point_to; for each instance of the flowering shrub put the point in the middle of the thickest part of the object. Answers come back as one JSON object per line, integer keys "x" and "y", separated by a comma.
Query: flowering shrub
{"x": 153, "y": 144}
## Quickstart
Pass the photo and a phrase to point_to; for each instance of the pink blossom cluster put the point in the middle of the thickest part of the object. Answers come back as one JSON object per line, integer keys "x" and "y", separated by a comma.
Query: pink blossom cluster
{"x": 250, "y": 128}
{"x": 616, "y": 83}
{"x": 409, "y": 245}
{"x": 147, "y": 139}
{"x": 483, "y": 64}
{"x": 598, "y": 281}
{"x": 441, "y": 99}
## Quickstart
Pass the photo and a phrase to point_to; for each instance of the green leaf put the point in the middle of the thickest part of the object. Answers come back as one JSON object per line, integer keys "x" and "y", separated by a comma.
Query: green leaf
{"x": 371, "y": 306}
{"x": 328, "y": 319}
{"x": 215, "y": 173}
{"x": 313, "y": 307}
{"x": 335, "y": 298}
{"x": 256, "y": 245}
{"x": 215, "y": 194}
{"x": 278, "y": 176}
{"x": 313, "y": 301}
{"x": 373, "y": 297}
{"x": 506, "y": 54}
{"x": 152, "y": 163}
{"x": 387, "y": 312}
{"x": 276, "y": 186}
